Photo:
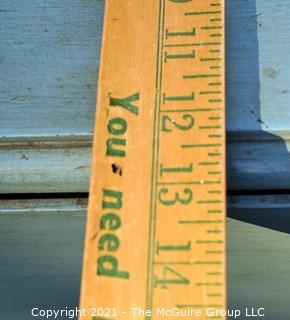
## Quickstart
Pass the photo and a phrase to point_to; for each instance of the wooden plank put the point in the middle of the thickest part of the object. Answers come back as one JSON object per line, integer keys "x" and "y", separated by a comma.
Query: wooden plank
{"x": 49, "y": 61}
{"x": 257, "y": 94}
{"x": 55, "y": 166}
{"x": 48, "y": 166}
{"x": 48, "y": 89}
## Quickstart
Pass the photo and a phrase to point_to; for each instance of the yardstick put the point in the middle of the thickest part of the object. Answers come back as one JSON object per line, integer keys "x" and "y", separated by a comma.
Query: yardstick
{"x": 155, "y": 237}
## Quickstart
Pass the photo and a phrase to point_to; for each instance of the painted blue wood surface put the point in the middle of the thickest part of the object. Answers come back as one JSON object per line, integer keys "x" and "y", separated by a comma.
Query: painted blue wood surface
{"x": 49, "y": 59}
{"x": 258, "y": 79}
{"x": 41, "y": 246}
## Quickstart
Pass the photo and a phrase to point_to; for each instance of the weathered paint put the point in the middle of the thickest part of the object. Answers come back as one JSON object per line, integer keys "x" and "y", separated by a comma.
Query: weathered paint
{"x": 49, "y": 59}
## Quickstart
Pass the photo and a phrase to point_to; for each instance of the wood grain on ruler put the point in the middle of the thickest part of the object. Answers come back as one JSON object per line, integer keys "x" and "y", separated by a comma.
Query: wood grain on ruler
{"x": 155, "y": 235}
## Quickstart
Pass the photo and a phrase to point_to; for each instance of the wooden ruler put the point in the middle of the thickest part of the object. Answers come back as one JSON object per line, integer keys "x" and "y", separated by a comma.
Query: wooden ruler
{"x": 155, "y": 238}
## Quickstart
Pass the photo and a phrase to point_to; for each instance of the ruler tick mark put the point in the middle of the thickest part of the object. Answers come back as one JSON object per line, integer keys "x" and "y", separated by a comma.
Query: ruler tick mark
{"x": 170, "y": 56}
{"x": 214, "y": 172}
{"x": 209, "y": 241}
{"x": 214, "y": 231}
{"x": 214, "y": 295}
{"x": 193, "y": 13}
{"x": 215, "y": 211}
{"x": 214, "y": 273}
{"x": 197, "y": 44}
{"x": 196, "y": 76}
{"x": 199, "y": 221}
{"x": 214, "y": 154}
{"x": 210, "y": 92}
{"x": 211, "y": 28}
{"x": 215, "y": 35}
{"x": 209, "y": 201}
{"x": 215, "y": 84}
{"x": 205, "y": 163}
{"x": 191, "y": 110}
{"x": 202, "y": 146}
{"x": 210, "y": 127}
{"x": 214, "y": 118}
{"x": 214, "y": 192}
{"x": 178, "y": 98}
{"x": 179, "y": 182}
{"x": 214, "y": 252}
{"x": 179, "y": 33}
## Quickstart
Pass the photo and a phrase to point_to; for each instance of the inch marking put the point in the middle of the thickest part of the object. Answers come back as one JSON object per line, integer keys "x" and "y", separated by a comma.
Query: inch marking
{"x": 210, "y": 92}
{"x": 210, "y": 59}
{"x": 199, "y": 221}
{"x": 169, "y": 56}
{"x": 214, "y": 173}
{"x": 193, "y": 13}
{"x": 214, "y": 252}
{"x": 215, "y": 84}
{"x": 214, "y": 231}
{"x": 178, "y": 98}
{"x": 214, "y": 273}
{"x": 196, "y": 76}
{"x": 214, "y": 118}
{"x": 209, "y": 163}
{"x": 171, "y": 276}
{"x": 189, "y": 182}
{"x": 214, "y": 211}
{"x": 214, "y": 192}
{"x": 188, "y": 262}
{"x": 202, "y": 146}
{"x": 211, "y": 28}
{"x": 215, "y": 35}
{"x": 180, "y": 33}
{"x": 198, "y": 44}
{"x": 191, "y": 110}
{"x": 214, "y": 136}
{"x": 214, "y": 154}
{"x": 209, "y": 241}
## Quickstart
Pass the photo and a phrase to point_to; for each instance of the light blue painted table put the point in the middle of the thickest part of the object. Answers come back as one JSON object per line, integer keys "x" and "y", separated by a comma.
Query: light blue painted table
{"x": 49, "y": 62}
